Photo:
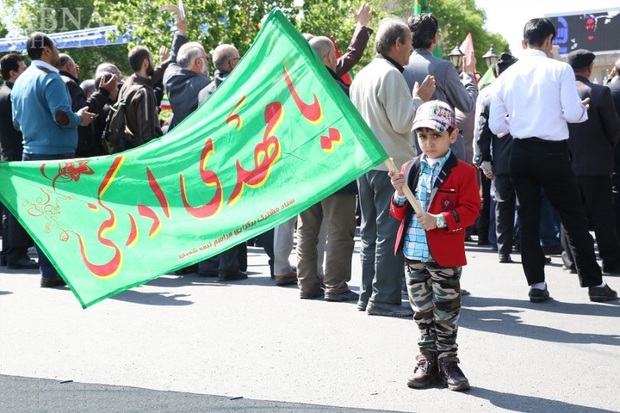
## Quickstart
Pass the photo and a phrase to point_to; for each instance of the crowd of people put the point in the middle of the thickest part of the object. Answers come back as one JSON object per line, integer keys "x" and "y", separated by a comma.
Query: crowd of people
{"x": 542, "y": 136}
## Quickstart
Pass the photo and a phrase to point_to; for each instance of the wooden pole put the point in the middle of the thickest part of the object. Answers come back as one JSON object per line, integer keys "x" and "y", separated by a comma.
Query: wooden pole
{"x": 389, "y": 162}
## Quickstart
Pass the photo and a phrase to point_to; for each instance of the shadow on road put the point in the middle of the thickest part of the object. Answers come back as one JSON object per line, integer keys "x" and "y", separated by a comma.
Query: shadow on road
{"x": 609, "y": 309}
{"x": 507, "y": 321}
{"x": 521, "y": 403}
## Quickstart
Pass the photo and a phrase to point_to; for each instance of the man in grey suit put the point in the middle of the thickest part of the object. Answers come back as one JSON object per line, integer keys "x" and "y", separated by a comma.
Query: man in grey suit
{"x": 450, "y": 88}
{"x": 591, "y": 144}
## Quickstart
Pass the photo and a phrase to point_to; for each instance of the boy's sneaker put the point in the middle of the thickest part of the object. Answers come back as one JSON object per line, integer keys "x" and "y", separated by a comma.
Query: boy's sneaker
{"x": 450, "y": 372}
{"x": 600, "y": 294}
{"x": 425, "y": 372}
{"x": 538, "y": 296}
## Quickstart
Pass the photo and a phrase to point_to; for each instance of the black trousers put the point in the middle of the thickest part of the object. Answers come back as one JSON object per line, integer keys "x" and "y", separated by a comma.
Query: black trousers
{"x": 15, "y": 239}
{"x": 534, "y": 164}
{"x": 615, "y": 182}
{"x": 596, "y": 196}
{"x": 484, "y": 219}
{"x": 505, "y": 205}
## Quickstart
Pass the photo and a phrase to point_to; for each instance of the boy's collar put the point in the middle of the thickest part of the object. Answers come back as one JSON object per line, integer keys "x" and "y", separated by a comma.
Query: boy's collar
{"x": 433, "y": 161}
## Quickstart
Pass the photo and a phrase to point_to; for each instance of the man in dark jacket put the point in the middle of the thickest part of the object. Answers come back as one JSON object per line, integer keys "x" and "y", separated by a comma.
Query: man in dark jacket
{"x": 89, "y": 144}
{"x": 141, "y": 113}
{"x": 15, "y": 240}
{"x": 187, "y": 74}
{"x": 231, "y": 264}
{"x": 614, "y": 85}
{"x": 494, "y": 162}
{"x": 591, "y": 145}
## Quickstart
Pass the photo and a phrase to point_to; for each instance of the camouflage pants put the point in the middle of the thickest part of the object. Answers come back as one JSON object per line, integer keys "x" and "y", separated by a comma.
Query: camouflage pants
{"x": 435, "y": 296}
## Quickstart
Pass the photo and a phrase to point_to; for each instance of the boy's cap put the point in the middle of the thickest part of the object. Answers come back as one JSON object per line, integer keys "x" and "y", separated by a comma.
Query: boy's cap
{"x": 436, "y": 115}
{"x": 580, "y": 59}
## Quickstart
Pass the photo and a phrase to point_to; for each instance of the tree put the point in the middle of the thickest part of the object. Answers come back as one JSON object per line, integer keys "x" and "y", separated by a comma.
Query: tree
{"x": 57, "y": 16}
{"x": 213, "y": 22}
{"x": 210, "y": 22}
{"x": 456, "y": 19}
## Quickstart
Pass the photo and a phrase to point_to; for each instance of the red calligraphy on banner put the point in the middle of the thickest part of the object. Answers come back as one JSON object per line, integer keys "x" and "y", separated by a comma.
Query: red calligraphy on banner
{"x": 266, "y": 153}
{"x": 313, "y": 112}
{"x": 210, "y": 179}
{"x": 234, "y": 117}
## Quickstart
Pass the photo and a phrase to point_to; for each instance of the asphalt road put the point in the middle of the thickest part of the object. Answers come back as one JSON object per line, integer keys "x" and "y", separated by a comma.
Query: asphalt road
{"x": 191, "y": 344}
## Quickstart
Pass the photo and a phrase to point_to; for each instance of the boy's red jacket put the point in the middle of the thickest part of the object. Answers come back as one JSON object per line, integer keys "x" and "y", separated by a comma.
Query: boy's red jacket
{"x": 455, "y": 195}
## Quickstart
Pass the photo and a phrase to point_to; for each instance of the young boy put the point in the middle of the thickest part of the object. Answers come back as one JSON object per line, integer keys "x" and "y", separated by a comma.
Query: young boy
{"x": 434, "y": 242}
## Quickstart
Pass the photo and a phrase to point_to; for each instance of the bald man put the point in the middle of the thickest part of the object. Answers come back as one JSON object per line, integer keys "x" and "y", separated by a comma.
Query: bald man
{"x": 325, "y": 49}
{"x": 338, "y": 210}
{"x": 225, "y": 58}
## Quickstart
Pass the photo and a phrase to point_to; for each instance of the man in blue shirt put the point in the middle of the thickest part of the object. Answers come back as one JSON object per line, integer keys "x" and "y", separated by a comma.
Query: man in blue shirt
{"x": 42, "y": 113}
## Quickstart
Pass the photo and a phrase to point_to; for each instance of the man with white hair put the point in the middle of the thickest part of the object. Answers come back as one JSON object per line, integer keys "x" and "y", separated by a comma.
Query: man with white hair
{"x": 225, "y": 58}
{"x": 381, "y": 95}
{"x": 187, "y": 74}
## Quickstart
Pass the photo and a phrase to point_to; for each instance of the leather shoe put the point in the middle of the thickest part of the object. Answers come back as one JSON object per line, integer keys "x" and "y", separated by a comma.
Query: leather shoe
{"x": 505, "y": 259}
{"x": 347, "y": 295}
{"x": 52, "y": 282}
{"x": 389, "y": 310}
{"x": 232, "y": 276}
{"x": 538, "y": 296}
{"x": 425, "y": 372}
{"x": 288, "y": 279}
{"x": 23, "y": 264}
{"x": 600, "y": 294}
{"x": 452, "y": 374}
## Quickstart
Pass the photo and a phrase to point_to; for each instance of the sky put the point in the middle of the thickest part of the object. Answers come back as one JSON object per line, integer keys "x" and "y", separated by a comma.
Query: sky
{"x": 508, "y": 17}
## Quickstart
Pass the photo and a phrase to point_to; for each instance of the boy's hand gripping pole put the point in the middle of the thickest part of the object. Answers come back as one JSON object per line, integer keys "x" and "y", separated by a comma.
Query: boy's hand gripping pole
{"x": 389, "y": 162}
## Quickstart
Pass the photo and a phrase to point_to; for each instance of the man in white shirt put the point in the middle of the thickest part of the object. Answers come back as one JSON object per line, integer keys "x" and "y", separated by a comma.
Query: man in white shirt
{"x": 534, "y": 99}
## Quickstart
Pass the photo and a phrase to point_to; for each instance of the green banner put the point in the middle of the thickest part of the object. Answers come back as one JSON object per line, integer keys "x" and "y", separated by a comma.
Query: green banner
{"x": 487, "y": 78}
{"x": 276, "y": 137}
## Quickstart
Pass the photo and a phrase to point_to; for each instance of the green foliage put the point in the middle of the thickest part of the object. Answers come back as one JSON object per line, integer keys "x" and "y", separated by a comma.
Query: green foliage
{"x": 210, "y": 22}
{"x": 237, "y": 22}
{"x": 456, "y": 19}
{"x": 56, "y": 16}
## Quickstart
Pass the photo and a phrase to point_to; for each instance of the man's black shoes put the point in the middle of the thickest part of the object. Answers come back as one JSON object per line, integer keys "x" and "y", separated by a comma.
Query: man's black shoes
{"x": 23, "y": 264}
{"x": 538, "y": 296}
{"x": 601, "y": 294}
